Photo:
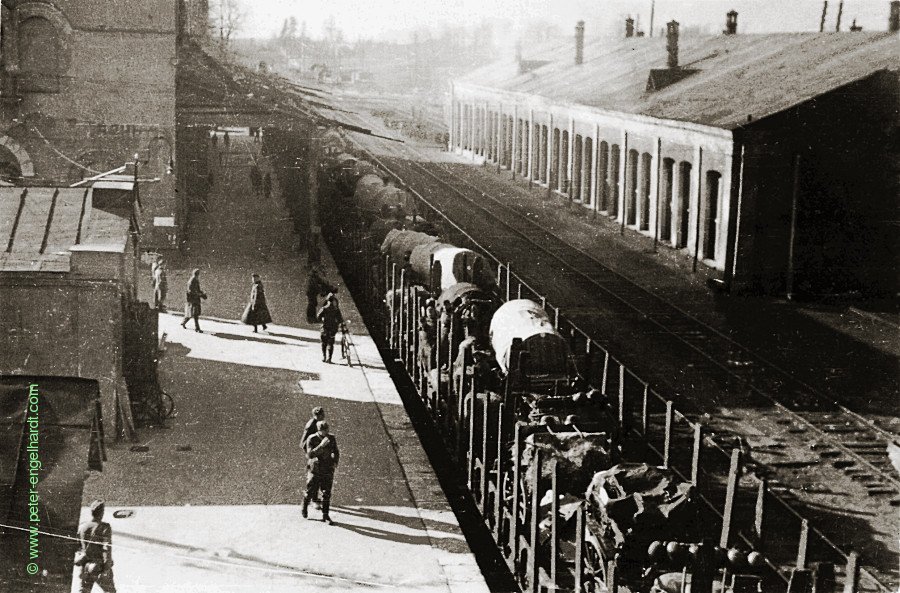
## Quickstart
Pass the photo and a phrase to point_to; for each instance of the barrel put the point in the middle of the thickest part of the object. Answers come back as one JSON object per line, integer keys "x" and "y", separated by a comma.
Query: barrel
{"x": 548, "y": 352}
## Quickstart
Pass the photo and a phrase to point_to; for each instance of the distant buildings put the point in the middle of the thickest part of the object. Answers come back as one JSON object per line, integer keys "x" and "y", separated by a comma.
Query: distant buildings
{"x": 768, "y": 162}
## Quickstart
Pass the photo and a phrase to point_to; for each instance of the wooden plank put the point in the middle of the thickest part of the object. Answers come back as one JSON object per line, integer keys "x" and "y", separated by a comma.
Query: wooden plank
{"x": 533, "y": 533}
{"x": 734, "y": 473}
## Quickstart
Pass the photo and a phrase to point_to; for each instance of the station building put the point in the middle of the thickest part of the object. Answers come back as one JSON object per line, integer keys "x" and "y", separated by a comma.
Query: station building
{"x": 84, "y": 86}
{"x": 769, "y": 162}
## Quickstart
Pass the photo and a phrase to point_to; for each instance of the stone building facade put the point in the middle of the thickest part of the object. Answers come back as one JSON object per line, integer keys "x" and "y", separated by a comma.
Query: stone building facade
{"x": 86, "y": 85}
{"x": 767, "y": 162}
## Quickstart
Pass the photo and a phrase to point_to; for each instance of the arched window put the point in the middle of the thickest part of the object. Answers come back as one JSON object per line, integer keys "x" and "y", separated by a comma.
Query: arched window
{"x": 40, "y": 55}
{"x": 711, "y": 214}
{"x": 668, "y": 185}
{"x": 613, "y": 180}
{"x": 603, "y": 189}
{"x": 631, "y": 180}
{"x": 684, "y": 203}
{"x": 644, "y": 189}
{"x": 587, "y": 177}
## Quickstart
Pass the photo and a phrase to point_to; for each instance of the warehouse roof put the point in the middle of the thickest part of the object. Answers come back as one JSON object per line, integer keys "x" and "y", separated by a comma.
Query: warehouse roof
{"x": 736, "y": 75}
{"x": 40, "y": 225}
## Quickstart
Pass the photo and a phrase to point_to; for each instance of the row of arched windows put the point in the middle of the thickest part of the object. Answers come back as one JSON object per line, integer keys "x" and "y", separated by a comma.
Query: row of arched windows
{"x": 545, "y": 154}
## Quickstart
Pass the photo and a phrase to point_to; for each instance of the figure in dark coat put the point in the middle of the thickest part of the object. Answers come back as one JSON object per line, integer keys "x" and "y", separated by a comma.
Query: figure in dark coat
{"x": 257, "y": 312}
{"x": 256, "y": 179}
{"x": 331, "y": 318}
{"x": 316, "y": 286}
{"x": 323, "y": 457}
{"x": 192, "y": 308}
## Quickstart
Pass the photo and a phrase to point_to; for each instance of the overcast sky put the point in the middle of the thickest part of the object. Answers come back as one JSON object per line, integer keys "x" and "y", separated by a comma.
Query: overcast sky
{"x": 394, "y": 19}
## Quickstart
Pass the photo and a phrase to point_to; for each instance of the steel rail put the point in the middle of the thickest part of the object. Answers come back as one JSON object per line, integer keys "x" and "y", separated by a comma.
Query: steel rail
{"x": 617, "y": 297}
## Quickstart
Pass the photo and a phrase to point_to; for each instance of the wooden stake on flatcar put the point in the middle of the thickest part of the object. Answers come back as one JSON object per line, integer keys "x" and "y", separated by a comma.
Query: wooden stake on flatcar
{"x": 533, "y": 533}
{"x": 760, "y": 514}
{"x": 695, "y": 455}
{"x": 498, "y": 492}
{"x": 554, "y": 520}
{"x": 579, "y": 547}
{"x": 734, "y": 477}
{"x": 667, "y": 443}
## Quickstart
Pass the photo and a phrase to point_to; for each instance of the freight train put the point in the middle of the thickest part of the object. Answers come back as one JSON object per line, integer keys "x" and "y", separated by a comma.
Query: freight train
{"x": 543, "y": 451}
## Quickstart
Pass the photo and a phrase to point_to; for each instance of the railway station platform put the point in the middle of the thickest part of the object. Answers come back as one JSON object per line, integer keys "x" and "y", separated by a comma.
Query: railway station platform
{"x": 211, "y": 503}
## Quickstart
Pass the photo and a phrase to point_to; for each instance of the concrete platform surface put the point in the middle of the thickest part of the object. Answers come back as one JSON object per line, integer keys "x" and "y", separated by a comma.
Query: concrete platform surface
{"x": 215, "y": 499}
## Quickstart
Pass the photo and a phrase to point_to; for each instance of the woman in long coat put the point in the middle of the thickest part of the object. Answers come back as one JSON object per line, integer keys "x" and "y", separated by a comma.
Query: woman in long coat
{"x": 256, "y": 312}
{"x": 193, "y": 296}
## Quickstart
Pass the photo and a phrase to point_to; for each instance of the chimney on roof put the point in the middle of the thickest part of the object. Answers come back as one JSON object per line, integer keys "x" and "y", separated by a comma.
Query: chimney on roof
{"x": 672, "y": 44}
{"x": 579, "y": 42}
{"x": 731, "y": 23}
{"x": 629, "y": 27}
{"x": 894, "y": 19}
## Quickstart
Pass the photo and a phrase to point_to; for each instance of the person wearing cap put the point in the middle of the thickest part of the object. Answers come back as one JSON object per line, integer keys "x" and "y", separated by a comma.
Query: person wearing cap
{"x": 160, "y": 284}
{"x": 323, "y": 457}
{"x": 194, "y": 295}
{"x": 318, "y": 415}
{"x": 331, "y": 318}
{"x": 95, "y": 555}
{"x": 257, "y": 311}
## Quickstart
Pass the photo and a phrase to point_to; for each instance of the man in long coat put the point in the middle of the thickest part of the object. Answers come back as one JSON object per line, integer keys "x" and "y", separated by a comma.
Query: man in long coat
{"x": 194, "y": 295}
{"x": 331, "y": 318}
{"x": 257, "y": 311}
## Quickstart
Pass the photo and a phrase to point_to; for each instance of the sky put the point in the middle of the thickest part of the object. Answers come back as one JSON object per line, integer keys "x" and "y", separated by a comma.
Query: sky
{"x": 396, "y": 19}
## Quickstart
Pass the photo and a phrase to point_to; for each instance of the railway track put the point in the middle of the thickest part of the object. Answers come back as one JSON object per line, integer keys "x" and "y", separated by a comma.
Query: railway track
{"x": 848, "y": 441}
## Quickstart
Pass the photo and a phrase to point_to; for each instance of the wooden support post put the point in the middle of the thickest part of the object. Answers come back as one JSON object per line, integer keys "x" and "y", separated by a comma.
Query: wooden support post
{"x": 499, "y": 272}
{"x": 588, "y": 362}
{"x": 645, "y": 413}
{"x": 851, "y": 580}
{"x": 391, "y": 341}
{"x": 471, "y": 452}
{"x": 667, "y": 443}
{"x": 485, "y": 456}
{"x": 554, "y": 521}
{"x": 508, "y": 273}
{"x": 580, "y": 521}
{"x": 517, "y": 473}
{"x": 498, "y": 493}
{"x": 519, "y": 291}
{"x": 605, "y": 373}
{"x": 803, "y": 544}
{"x": 533, "y": 532}
{"x": 734, "y": 476}
{"x": 401, "y": 319}
{"x": 556, "y": 319}
{"x": 612, "y": 577}
{"x": 760, "y": 514}
{"x": 695, "y": 455}
{"x": 622, "y": 398}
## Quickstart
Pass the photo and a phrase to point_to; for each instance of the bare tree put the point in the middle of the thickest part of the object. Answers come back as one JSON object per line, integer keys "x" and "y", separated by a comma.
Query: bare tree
{"x": 229, "y": 17}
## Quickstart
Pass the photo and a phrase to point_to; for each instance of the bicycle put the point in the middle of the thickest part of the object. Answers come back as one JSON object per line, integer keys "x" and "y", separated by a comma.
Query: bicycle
{"x": 346, "y": 343}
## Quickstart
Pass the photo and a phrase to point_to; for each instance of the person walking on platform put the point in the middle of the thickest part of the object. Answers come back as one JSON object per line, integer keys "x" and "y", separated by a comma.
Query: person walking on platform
{"x": 192, "y": 307}
{"x": 257, "y": 312}
{"x": 160, "y": 284}
{"x": 226, "y": 140}
{"x": 256, "y": 179}
{"x": 267, "y": 185}
{"x": 318, "y": 414}
{"x": 315, "y": 286}
{"x": 331, "y": 318}
{"x": 95, "y": 555}
{"x": 322, "y": 459}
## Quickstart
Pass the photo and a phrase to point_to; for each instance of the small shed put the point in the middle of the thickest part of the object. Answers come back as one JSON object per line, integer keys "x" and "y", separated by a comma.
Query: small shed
{"x": 68, "y": 286}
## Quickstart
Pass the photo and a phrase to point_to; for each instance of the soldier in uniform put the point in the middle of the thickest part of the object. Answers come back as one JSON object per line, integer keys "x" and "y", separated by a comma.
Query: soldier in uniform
{"x": 318, "y": 414}
{"x": 331, "y": 318}
{"x": 192, "y": 307}
{"x": 323, "y": 457}
{"x": 95, "y": 555}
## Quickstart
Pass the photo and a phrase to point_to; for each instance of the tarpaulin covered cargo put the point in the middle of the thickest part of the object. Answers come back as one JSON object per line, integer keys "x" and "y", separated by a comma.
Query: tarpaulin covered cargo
{"x": 367, "y": 188}
{"x": 548, "y": 352}
{"x": 578, "y": 456}
{"x": 650, "y": 501}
